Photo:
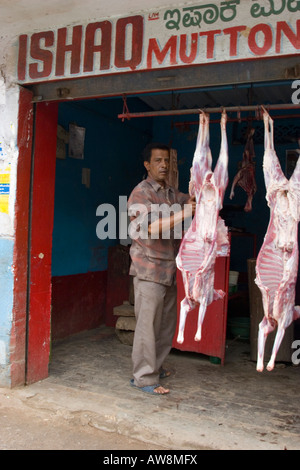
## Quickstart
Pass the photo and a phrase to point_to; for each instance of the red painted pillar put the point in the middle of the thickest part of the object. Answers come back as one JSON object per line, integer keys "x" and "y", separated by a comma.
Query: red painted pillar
{"x": 18, "y": 331}
{"x": 42, "y": 212}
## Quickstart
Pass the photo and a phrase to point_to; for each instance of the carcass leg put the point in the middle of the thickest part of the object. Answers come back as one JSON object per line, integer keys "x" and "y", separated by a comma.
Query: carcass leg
{"x": 186, "y": 305}
{"x": 296, "y": 312}
{"x": 265, "y": 327}
{"x": 202, "y": 310}
{"x": 218, "y": 294}
{"x": 278, "y": 339}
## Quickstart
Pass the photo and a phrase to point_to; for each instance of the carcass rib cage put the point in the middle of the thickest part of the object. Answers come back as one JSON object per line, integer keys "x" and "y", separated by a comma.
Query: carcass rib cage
{"x": 277, "y": 261}
{"x": 207, "y": 236}
{"x": 278, "y": 294}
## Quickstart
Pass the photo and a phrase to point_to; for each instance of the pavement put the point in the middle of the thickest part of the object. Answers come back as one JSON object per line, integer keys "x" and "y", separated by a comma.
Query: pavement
{"x": 210, "y": 406}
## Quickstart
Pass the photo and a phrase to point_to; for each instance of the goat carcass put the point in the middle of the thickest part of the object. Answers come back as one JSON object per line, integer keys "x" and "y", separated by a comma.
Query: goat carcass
{"x": 245, "y": 177}
{"x": 207, "y": 235}
{"x": 277, "y": 261}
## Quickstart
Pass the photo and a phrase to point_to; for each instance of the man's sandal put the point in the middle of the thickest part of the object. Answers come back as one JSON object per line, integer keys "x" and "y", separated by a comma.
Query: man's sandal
{"x": 150, "y": 389}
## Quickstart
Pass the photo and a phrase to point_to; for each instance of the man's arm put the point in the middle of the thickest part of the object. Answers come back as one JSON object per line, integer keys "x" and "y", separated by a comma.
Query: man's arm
{"x": 167, "y": 223}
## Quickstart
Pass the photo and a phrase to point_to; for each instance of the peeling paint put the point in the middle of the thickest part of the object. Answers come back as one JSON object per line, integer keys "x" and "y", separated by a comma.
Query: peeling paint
{"x": 8, "y": 154}
{"x": 2, "y": 92}
{"x": 2, "y": 353}
{"x": 6, "y": 301}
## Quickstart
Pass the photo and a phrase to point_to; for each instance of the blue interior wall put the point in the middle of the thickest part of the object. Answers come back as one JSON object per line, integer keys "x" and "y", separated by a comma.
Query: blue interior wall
{"x": 112, "y": 152}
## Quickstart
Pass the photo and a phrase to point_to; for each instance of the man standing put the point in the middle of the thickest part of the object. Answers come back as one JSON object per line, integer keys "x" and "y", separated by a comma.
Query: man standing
{"x": 153, "y": 266}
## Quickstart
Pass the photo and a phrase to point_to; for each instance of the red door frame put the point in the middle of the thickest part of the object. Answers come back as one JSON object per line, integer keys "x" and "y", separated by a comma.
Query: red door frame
{"x": 34, "y": 211}
{"x": 21, "y": 226}
{"x": 41, "y": 213}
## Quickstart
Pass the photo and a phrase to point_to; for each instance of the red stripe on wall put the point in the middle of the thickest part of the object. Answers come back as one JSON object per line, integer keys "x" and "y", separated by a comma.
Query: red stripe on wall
{"x": 78, "y": 303}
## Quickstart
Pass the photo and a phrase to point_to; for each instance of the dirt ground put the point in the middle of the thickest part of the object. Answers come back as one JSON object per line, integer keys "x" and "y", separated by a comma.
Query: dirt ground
{"x": 87, "y": 402}
{"x": 22, "y": 429}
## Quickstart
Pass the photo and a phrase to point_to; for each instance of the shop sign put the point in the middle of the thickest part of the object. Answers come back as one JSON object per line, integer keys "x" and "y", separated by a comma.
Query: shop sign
{"x": 179, "y": 36}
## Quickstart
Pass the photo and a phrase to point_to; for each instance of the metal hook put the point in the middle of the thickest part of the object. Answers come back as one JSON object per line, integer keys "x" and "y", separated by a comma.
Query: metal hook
{"x": 125, "y": 109}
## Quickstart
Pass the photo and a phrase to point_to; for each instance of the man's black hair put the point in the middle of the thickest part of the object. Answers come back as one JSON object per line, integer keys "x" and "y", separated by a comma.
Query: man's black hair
{"x": 154, "y": 145}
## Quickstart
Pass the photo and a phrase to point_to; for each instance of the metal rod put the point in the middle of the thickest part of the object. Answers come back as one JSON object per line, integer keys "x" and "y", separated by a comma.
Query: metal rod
{"x": 248, "y": 118}
{"x": 179, "y": 112}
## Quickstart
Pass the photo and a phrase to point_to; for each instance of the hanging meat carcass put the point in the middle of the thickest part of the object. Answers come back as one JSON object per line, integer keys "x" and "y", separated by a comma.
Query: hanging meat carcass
{"x": 277, "y": 261}
{"x": 245, "y": 177}
{"x": 207, "y": 235}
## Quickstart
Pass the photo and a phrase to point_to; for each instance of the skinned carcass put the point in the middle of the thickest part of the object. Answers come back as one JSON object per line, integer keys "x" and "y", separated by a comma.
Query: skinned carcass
{"x": 245, "y": 177}
{"x": 277, "y": 261}
{"x": 207, "y": 235}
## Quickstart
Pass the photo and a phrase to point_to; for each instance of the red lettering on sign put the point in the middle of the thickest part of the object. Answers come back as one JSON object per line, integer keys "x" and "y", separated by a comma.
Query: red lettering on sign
{"x": 104, "y": 48}
{"x": 294, "y": 38}
{"x": 234, "y": 34}
{"x": 137, "y": 31}
{"x": 171, "y": 45}
{"x": 188, "y": 59}
{"x": 102, "y": 51}
{"x": 74, "y": 48}
{"x": 40, "y": 54}
{"x": 210, "y": 49}
{"x": 23, "y": 39}
{"x": 267, "y": 41}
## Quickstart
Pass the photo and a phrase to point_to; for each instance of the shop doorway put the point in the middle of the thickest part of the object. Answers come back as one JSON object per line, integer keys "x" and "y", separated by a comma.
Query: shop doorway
{"x": 69, "y": 265}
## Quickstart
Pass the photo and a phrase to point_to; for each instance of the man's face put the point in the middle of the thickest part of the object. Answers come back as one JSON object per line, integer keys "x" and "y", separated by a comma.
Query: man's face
{"x": 158, "y": 167}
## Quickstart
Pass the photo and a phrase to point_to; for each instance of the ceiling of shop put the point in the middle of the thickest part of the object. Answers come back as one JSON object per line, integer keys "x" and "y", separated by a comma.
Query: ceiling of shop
{"x": 279, "y": 93}
{"x": 243, "y": 95}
